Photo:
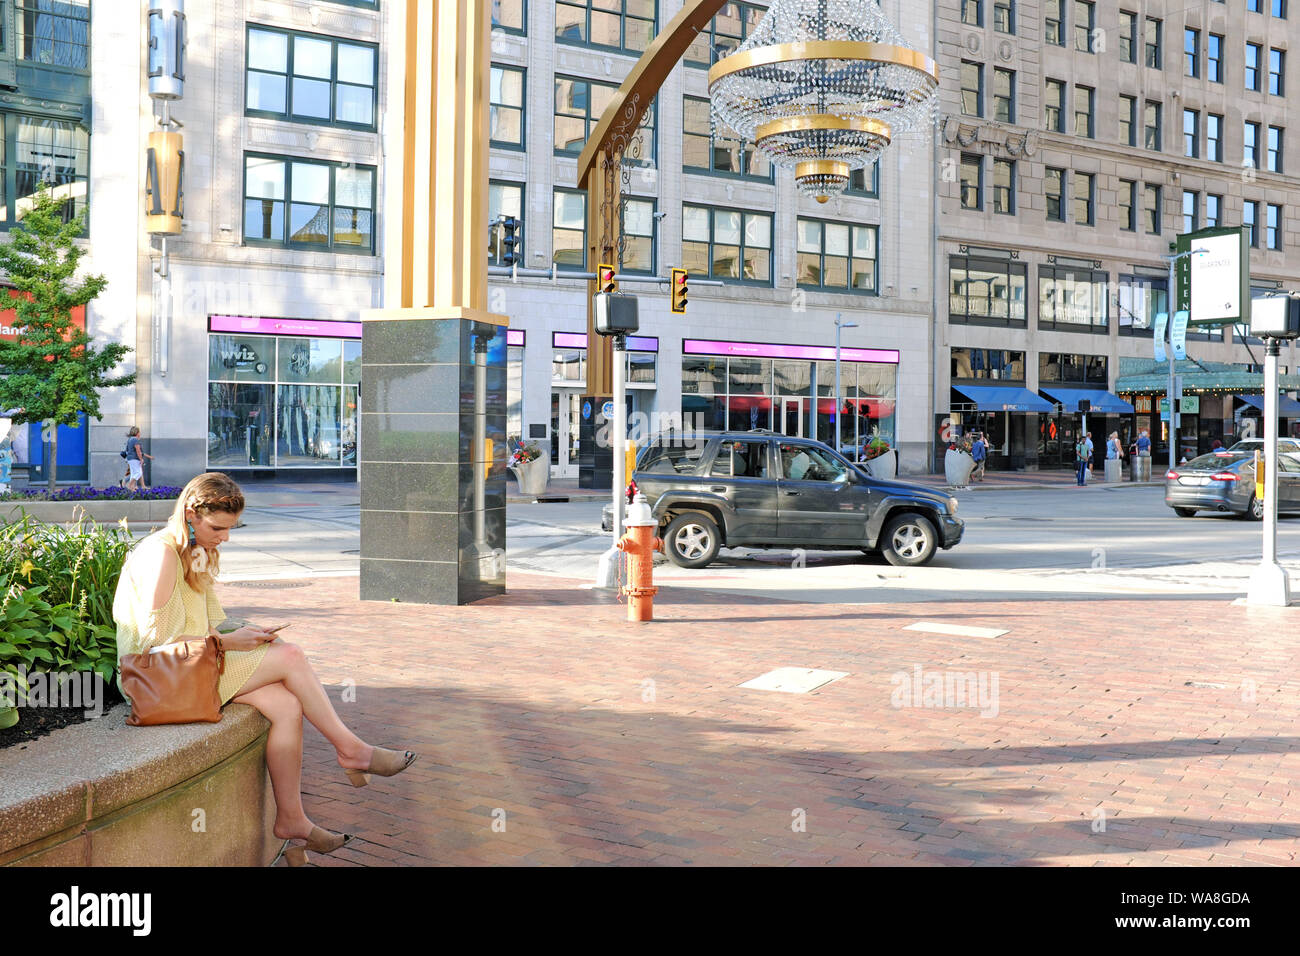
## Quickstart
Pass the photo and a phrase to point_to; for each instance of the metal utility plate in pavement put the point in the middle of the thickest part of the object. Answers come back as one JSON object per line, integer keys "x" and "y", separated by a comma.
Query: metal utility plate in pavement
{"x": 956, "y": 630}
{"x": 793, "y": 680}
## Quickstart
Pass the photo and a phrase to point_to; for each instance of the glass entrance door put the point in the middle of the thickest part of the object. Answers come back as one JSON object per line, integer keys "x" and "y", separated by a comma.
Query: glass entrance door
{"x": 793, "y": 416}
{"x": 564, "y": 432}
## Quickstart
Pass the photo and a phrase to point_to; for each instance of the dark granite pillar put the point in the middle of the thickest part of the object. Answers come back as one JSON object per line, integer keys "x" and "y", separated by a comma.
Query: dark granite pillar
{"x": 432, "y": 458}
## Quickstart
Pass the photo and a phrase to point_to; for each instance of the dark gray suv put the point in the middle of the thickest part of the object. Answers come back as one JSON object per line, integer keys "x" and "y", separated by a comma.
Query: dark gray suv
{"x": 763, "y": 490}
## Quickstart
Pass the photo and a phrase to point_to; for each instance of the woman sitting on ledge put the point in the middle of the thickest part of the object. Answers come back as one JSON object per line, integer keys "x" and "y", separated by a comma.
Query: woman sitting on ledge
{"x": 165, "y": 594}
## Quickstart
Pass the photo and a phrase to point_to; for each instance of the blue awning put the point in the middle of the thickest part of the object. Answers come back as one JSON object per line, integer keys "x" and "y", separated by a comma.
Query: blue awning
{"x": 1287, "y": 407}
{"x": 988, "y": 399}
{"x": 1103, "y": 402}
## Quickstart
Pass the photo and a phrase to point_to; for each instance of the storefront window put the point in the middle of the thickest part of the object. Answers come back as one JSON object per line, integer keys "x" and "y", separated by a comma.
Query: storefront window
{"x": 515, "y": 392}
{"x": 240, "y": 422}
{"x": 792, "y": 377}
{"x": 569, "y": 366}
{"x": 309, "y": 425}
{"x": 641, "y": 367}
{"x": 310, "y": 360}
{"x": 1071, "y": 298}
{"x": 352, "y": 361}
{"x": 750, "y": 376}
{"x": 1073, "y": 369}
{"x": 241, "y": 359}
{"x": 986, "y": 291}
{"x": 703, "y": 376}
{"x": 990, "y": 364}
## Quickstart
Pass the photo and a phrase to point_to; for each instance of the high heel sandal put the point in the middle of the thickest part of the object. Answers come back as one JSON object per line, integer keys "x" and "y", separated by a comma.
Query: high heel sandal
{"x": 321, "y": 841}
{"x": 384, "y": 762}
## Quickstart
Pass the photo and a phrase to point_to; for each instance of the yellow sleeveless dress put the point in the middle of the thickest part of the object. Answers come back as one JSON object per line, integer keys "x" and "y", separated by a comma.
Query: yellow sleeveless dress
{"x": 187, "y": 613}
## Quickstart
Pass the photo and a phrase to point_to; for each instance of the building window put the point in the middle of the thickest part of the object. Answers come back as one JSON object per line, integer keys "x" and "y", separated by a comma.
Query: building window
{"x": 727, "y": 244}
{"x": 312, "y": 79}
{"x": 1191, "y": 134}
{"x": 1072, "y": 298}
{"x": 706, "y": 149}
{"x": 1192, "y": 51}
{"x": 1127, "y": 196}
{"x": 506, "y": 109}
{"x": 1084, "y": 15}
{"x": 1252, "y": 6}
{"x": 1191, "y": 203}
{"x": 1276, "y": 63}
{"x": 1214, "y": 59}
{"x": 1213, "y": 210}
{"x": 1004, "y": 96}
{"x": 726, "y": 31}
{"x": 307, "y": 204}
{"x": 1073, "y": 369}
{"x": 1141, "y": 299}
{"x": 1152, "y": 126}
{"x": 972, "y": 181}
{"x": 1250, "y": 219}
{"x": 569, "y": 230}
{"x": 1273, "y": 231}
{"x": 1250, "y": 145}
{"x": 38, "y": 151}
{"x": 1054, "y": 193}
{"x": 864, "y": 181}
{"x": 1083, "y": 96}
{"x": 504, "y": 199}
{"x": 1274, "y": 149}
{"x": 1151, "y": 209}
{"x": 986, "y": 291}
{"x": 835, "y": 255}
{"x": 1004, "y": 16}
{"x": 1252, "y": 66}
{"x": 972, "y": 13}
{"x": 985, "y": 365}
{"x": 624, "y": 25}
{"x": 638, "y": 236}
{"x": 52, "y": 32}
{"x": 1054, "y": 106}
{"x": 508, "y": 15}
{"x": 1152, "y": 38}
{"x": 1128, "y": 120}
{"x": 1128, "y": 26}
{"x": 578, "y": 105}
{"x": 1214, "y": 137}
{"x": 1084, "y": 185}
{"x": 972, "y": 88}
{"x": 1004, "y": 186}
{"x": 1054, "y": 21}
{"x": 1279, "y": 9}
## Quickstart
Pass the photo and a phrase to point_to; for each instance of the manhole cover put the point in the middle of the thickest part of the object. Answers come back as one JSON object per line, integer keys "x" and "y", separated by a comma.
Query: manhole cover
{"x": 269, "y": 584}
{"x": 794, "y": 680}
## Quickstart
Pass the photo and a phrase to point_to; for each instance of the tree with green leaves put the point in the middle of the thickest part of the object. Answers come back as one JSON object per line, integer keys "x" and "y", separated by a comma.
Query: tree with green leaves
{"x": 51, "y": 372}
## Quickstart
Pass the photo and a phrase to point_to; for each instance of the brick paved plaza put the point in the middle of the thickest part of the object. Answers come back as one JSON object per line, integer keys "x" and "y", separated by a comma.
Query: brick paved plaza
{"x": 1155, "y": 732}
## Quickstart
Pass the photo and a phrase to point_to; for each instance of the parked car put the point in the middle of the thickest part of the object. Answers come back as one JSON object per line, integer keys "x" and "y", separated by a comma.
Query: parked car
{"x": 1285, "y": 446}
{"x": 757, "y": 489}
{"x": 1225, "y": 481}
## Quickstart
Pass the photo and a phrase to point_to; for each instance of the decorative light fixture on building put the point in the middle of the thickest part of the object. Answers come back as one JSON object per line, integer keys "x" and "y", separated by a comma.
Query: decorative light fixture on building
{"x": 823, "y": 86}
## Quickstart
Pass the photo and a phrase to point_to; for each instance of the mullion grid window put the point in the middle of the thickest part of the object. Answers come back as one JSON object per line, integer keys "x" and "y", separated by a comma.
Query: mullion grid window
{"x": 624, "y": 25}
{"x": 1250, "y": 219}
{"x": 1141, "y": 299}
{"x": 972, "y": 181}
{"x": 1214, "y": 59}
{"x": 1192, "y": 51}
{"x": 638, "y": 231}
{"x": 865, "y": 180}
{"x": 1151, "y": 208}
{"x": 1273, "y": 227}
{"x": 1191, "y": 210}
{"x": 1004, "y": 186}
{"x": 707, "y": 149}
{"x": 1127, "y": 196}
{"x": 1191, "y": 134}
{"x": 986, "y": 291}
{"x": 578, "y": 105}
{"x": 569, "y": 229}
{"x": 1250, "y": 145}
{"x": 1083, "y": 187}
{"x": 1276, "y": 69}
{"x": 1054, "y": 105}
{"x": 309, "y": 204}
{"x": 1128, "y": 42}
{"x": 1151, "y": 126}
{"x": 1054, "y": 22}
{"x": 309, "y": 78}
{"x": 504, "y": 199}
{"x": 1128, "y": 120}
{"x": 1054, "y": 193}
{"x": 972, "y": 13}
{"x": 510, "y": 16}
{"x": 1253, "y": 51}
{"x": 1214, "y": 137}
{"x": 1274, "y": 149}
{"x": 1083, "y": 97}
{"x": 972, "y": 88}
{"x": 1004, "y": 95}
{"x": 1072, "y": 299}
{"x": 1213, "y": 210}
{"x": 1084, "y": 16}
{"x": 1004, "y": 16}
{"x": 1151, "y": 39}
{"x": 727, "y": 30}
{"x": 727, "y": 244}
{"x": 506, "y": 106}
{"x": 836, "y": 255}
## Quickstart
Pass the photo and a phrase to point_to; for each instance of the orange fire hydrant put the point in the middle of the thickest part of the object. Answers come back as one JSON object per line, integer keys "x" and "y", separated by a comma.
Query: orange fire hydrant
{"x": 639, "y": 543}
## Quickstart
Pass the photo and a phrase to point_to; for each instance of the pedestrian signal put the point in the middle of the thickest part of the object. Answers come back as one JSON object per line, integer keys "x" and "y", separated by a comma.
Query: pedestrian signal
{"x": 605, "y": 281}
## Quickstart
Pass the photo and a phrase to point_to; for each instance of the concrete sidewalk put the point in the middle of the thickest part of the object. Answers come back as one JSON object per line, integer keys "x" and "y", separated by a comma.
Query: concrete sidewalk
{"x": 552, "y": 731}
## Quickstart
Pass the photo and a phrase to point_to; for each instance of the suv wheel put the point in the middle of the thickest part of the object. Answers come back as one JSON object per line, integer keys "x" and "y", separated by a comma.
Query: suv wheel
{"x": 909, "y": 540}
{"x": 692, "y": 540}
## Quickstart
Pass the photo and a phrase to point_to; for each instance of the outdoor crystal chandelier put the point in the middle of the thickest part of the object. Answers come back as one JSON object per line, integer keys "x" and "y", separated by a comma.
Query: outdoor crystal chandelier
{"x": 823, "y": 86}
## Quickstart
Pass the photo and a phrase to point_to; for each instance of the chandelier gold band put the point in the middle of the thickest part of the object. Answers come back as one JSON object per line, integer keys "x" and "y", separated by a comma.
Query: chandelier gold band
{"x": 821, "y": 167}
{"x": 820, "y": 121}
{"x": 884, "y": 53}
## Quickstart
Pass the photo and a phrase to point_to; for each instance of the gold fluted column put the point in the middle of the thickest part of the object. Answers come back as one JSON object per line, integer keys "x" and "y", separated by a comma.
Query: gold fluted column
{"x": 431, "y": 454}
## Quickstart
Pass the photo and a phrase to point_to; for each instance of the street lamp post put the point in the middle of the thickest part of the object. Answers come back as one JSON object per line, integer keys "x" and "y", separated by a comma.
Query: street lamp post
{"x": 838, "y": 403}
{"x": 1171, "y": 310}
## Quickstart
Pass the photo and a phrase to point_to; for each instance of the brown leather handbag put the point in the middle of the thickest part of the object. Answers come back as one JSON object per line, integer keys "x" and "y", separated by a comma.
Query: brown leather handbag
{"x": 176, "y": 684}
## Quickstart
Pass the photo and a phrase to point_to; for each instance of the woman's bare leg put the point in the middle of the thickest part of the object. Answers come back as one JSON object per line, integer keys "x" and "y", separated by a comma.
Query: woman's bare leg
{"x": 286, "y": 664}
{"x": 283, "y": 756}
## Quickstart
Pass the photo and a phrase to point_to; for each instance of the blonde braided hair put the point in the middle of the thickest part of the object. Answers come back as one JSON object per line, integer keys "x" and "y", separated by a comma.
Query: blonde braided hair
{"x": 205, "y": 494}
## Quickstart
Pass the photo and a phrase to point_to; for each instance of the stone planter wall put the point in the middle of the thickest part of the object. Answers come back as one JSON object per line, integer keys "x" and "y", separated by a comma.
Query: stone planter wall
{"x": 105, "y": 794}
{"x": 105, "y": 512}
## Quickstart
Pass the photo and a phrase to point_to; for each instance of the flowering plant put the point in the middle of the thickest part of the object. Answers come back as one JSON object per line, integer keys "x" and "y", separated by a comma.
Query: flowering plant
{"x": 87, "y": 493}
{"x": 874, "y": 448}
{"x": 524, "y": 453}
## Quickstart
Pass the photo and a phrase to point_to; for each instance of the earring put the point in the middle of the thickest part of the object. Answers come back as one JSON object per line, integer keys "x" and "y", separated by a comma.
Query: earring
{"x": 191, "y": 530}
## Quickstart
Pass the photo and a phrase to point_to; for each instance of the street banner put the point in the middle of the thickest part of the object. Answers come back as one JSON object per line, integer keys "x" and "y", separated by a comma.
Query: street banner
{"x": 1162, "y": 319}
{"x": 1179, "y": 336}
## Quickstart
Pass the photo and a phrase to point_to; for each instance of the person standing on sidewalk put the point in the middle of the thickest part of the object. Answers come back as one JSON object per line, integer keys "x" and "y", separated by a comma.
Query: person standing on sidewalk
{"x": 1091, "y": 455}
{"x": 135, "y": 456}
{"x": 980, "y": 452}
{"x": 1081, "y": 462}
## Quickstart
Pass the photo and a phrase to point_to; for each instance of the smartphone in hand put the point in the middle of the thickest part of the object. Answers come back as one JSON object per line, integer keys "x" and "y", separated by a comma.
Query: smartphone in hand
{"x": 278, "y": 627}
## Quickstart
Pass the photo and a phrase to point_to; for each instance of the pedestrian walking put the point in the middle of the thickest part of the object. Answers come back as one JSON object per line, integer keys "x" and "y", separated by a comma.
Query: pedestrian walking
{"x": 1081, "y": 462}
{"x": 135, "y": 456}
{"x": 980, "y": 452}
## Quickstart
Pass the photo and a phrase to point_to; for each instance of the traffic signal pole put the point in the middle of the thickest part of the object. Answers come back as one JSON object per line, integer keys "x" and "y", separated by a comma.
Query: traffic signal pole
{"x": 1269, "y": 583}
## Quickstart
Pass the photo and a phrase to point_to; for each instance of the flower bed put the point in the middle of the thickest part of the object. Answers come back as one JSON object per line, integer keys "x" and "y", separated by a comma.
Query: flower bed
{"x": 85, "y": 493}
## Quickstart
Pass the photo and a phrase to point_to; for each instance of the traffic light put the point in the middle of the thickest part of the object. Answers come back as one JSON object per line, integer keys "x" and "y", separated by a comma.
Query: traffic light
{"x": 509, "y": 241}
{"x": 605, "y": 281}
{"x": 679, "y": 291}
